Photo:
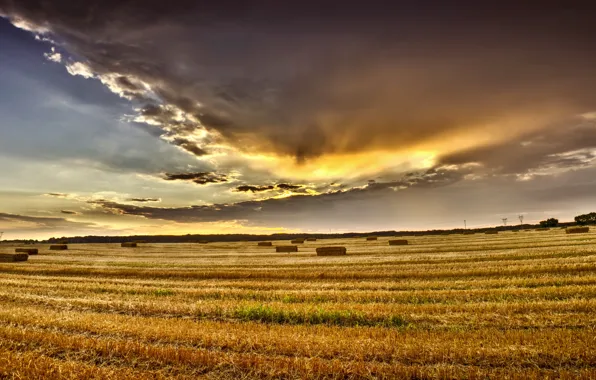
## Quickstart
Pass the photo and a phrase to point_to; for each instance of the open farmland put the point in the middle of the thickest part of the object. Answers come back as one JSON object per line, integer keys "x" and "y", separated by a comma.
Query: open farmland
{"x": 511, "y": 305}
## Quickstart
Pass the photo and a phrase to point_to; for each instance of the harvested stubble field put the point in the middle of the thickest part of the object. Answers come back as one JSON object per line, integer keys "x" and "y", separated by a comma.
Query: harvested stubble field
{"x": 457, "y": 306}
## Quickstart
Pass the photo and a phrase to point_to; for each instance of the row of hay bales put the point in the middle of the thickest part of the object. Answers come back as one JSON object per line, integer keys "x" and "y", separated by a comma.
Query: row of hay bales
{"x": 321, "y": 251}
{"x": 22, "y": 254}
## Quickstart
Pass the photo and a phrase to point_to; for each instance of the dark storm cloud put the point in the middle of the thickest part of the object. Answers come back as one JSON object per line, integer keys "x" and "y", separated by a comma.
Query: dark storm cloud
{"x": 257, "y": 189}
{"x": 200, "y": 178}
{"x": 44, "y": 222}
{"x": 308, "y": 78}
{"x": 68, "y": 212}
{"x": 285, "y": 186}
{"x": 144, "y": 200}
{"x": 253, "y": 189}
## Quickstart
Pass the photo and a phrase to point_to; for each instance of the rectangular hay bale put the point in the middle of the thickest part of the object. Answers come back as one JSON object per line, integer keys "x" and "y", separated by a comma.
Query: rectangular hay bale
{"x": 13, "y": 257}
{"x": 286, "y": 248}
{"x": 265, "y": 244}
{"x": 297, "y": 241}
{"x": 129, "y": 245}
{"x": 58, "y": 247}
{"x": 577, "y": 230}
{"x": 331, "y": 251}
{"x": 29, "y": 251}
{"x": 370, "y": 238}
{"x": 398, "y": 242}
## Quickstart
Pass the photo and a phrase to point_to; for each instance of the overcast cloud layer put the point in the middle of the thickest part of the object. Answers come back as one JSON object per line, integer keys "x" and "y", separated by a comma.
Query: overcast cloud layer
{"x": 262, "y": 112}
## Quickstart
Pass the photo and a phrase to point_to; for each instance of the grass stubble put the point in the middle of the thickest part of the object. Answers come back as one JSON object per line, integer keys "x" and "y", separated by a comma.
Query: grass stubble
{"x": 451, "y": 306}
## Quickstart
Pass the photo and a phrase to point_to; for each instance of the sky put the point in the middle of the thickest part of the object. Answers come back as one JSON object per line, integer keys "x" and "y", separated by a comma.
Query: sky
{"x": 142, "y": 117}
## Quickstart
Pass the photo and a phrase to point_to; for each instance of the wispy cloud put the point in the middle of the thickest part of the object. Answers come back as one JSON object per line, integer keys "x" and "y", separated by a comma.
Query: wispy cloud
{"x": 44, "y": 222}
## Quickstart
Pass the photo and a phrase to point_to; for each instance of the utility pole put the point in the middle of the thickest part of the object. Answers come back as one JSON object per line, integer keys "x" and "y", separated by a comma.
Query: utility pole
{"x": 504, "y": 221}
{"x": 465, "y": 225}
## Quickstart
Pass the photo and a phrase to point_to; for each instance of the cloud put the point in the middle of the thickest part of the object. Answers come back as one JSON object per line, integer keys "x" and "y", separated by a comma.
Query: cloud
{"x": 274, "y": 210}
{"x": 189, "y": 146}
{"x": 43, "y": 223}
{"x": 69, "y": 212}
{"x": 285, "y": 186}
{"x": 254, "y": 189}
{"x": 53, "y": 56}
{"x": 144, "y": 200}
{"x": 58, "y": 195}
{"x": 79, "y": 68}
{"x": 289, "y": 80}
{"x": 257, "y": 189}
{"x": 566, "y": 145}
{"x": 200, "y": 178}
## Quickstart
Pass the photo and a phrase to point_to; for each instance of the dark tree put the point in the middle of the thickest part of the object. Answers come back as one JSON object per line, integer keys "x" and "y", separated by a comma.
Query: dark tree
{"x": 550, "y": 222}
{"x": 586, "y": 218}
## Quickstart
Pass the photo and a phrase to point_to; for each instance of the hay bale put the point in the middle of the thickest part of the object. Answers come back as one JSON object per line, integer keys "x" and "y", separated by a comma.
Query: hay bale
{"x": 286, "y": 248}
{"x": 265, "y": 244}
{"x": 398, "y": 242}
{"x": 331, "y": 251}
{"x": 577, "y": 230}
{"x": 13, "y": 257}
{"x": 29, "y": 251}
{"x": 311, "y": 239}
{"x": 297, "y": 241}
{"x": 492, "y": 232}
{"x": 370, "y": 238}
{"x": 129, "y": 245}
{"x": 58, "y": 247}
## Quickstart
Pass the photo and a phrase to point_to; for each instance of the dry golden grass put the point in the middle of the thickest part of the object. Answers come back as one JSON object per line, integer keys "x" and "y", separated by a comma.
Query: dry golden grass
{"x": 517, "y": 306}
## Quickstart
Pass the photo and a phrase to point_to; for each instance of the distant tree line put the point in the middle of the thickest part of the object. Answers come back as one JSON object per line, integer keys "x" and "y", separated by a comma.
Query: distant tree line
{"x": 195, "y": 238}
{"x": 583, "y": 219}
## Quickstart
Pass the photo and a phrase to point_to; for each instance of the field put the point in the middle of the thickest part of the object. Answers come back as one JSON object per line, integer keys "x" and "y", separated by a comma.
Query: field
{"x": 513, "y": 305}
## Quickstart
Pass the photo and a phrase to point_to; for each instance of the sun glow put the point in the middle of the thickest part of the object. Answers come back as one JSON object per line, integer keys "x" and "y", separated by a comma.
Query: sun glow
{"x": 344, "y": 166}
